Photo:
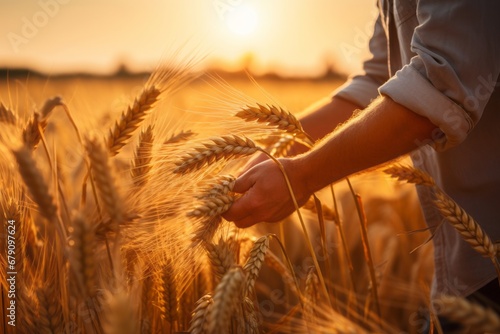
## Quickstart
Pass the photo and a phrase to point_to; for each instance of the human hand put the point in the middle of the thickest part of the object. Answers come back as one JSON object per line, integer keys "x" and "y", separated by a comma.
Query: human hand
{"x": 266, "y": 197}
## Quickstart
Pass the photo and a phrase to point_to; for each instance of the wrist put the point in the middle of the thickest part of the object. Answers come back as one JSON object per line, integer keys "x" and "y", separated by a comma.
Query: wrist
{"x": 300, "y": 173}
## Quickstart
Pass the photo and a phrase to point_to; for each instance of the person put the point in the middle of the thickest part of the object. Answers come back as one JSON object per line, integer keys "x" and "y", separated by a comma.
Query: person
{"x": 430, "y": 88}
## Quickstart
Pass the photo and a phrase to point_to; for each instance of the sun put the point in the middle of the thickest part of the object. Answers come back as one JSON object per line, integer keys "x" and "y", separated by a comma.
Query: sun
{"x": 242, "y": 20}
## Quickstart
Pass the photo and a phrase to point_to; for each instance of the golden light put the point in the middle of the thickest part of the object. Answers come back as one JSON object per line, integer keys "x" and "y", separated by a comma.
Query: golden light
{"x": 242, "y": 20}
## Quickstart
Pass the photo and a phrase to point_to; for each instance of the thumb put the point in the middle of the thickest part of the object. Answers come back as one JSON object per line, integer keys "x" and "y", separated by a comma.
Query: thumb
{"x": 243, "y": 183}
{"x": 238, "y": 209}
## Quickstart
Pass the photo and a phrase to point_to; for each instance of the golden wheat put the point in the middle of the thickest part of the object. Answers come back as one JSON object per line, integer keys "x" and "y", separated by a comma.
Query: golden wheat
{"x": 199, "y": 319}
{"x": 36, "y": 183}
{"x": 255, "y": 261}
{"x": 226, "y": 297}
{"x": 225, "y": 147}
{"x": 273, "y": 116}
{"x": 475, "y": 318}
{"x": 132, "y": 119}
{"x": 142, "y": 158}
{"x": 82, "y": 258}
{"x": 410, "y": 175}
{"x": 7, "y": 116}
{"x": 221, "y": 257}
{"x": 468, "y": 228}
{"x": 50, "y": 313}
{"x": 180, "y": 137}
{"x": 105, "y": 182}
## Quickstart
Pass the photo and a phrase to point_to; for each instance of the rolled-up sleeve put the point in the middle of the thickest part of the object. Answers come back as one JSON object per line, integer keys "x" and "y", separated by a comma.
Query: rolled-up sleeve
{"x": 456, "y": 67}
{"x": 362, "y": 88}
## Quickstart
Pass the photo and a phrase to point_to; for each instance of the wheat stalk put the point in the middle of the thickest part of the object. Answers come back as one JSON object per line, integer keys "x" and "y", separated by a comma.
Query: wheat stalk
{"x": 6, "y": 115}
{"x": 35, "y": 182}
{"x": 225, "y": 147}
{"x": 132, "y": 119}
{"x": 31, "y": 132}
{"x": 212, "y": 206}
{"x": 226, "y": 297}
{"x": 50, "y": 313}
{"x": 410, "y": 175}
{"x": 282, "y": 146}
{"x": 250, "y": 315}
{"x": 82, "y": 256}
{"x": 273, "y": 116}
{"x": 142, "y": 158}
{"x": 221, "y": 257}
{"x": 328, "y": 213}
{"x": 38, "y": 122}
{"x": 167, "y": 292}
{"x": 49, "y": 105}
{"x": 468, "y": 228}
{"x": 476, "y": 318}
{"x": 254, "y": 262}
{"x": 221, "y": 185}
{"x": 179, "y": 137}
{"x": 206, "y": 229}
{"x": 105, "y": 181}
{"x": 311, "y": 294}
{"x": 199, "y": 320}
{"x": 25, "y": 302}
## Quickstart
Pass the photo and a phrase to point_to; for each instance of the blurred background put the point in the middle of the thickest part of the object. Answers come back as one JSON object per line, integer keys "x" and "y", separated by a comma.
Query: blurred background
{"x": 287, "y": 37}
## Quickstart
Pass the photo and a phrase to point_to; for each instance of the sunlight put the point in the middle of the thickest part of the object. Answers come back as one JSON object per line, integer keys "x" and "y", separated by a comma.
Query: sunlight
{"x": 242, "y": 20}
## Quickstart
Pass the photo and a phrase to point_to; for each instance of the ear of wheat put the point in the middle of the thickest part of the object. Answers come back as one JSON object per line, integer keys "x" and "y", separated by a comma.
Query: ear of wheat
{"x": 311, "y": 295}
{"x": 142, "y": 158}
{"x": 167, "y": 291}
{"x": 410, "y": 175}
{"x": 105, "y": 182}
{"x": 7, "y": 116}
{"x": 475, "y": 318}
{"x": 254, "y": 262}
{"x": 468, "y": 228}
{"x": 275, "y": 117}
{"x": 36, "y": 183}
{"x": 225, "y": 147}
{"x": 221, "y": 257}
{"x": 50, "y": 312}
{"x": 132, "y": 119}
{"x": 31, "y": 132}
{"x": 82, "y": 256}
{"x": 199, "y": 320}
{"x": 38, "y": 122}
{"x": 212, "y": 206}
{"x": 226, "y": 297}
{"x": 179, "y": 137}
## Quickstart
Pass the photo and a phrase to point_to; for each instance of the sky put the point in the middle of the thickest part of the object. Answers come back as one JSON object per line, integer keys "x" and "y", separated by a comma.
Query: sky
{"x": 290, "y": 37}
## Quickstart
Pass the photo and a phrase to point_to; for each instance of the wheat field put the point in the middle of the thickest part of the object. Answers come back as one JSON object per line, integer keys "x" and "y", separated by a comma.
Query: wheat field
{"x": 113, "y": 189}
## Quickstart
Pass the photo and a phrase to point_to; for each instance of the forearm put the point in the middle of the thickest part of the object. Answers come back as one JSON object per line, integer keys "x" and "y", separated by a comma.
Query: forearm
{"x": 323, "y": 117}
{"x": 382, "y": 132}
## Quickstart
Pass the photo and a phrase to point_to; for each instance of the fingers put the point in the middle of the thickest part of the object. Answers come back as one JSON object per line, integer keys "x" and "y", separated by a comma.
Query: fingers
{"x": 243, "y": 183}
{"x": 239, "y": 210}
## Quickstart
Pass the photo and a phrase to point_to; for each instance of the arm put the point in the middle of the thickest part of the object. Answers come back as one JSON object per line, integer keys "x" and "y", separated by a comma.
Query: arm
{"x": 381, "y": 132}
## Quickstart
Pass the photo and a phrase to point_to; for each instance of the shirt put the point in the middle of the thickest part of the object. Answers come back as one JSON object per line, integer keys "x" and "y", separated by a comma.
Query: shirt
{"x": 441, "y": 59}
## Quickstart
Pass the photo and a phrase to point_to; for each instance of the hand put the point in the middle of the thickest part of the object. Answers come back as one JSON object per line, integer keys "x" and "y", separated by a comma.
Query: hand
{"x": 265, "y": 194}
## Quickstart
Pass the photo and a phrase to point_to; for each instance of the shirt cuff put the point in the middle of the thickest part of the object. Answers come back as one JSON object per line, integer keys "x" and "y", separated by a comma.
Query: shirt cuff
{"x": 410, "y": 89}
{"x": 360, "y": 90}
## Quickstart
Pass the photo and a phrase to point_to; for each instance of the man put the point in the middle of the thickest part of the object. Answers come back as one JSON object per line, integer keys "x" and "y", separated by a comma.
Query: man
{"x": 431, "y": 88}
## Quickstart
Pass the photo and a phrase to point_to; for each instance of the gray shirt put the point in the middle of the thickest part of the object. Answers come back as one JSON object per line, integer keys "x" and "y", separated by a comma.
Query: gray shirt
{"x": 441, "y": 59}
